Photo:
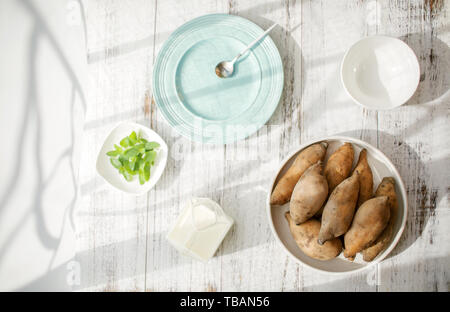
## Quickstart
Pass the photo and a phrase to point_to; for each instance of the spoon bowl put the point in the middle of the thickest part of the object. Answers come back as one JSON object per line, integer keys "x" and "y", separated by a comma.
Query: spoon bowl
{"x": 225, "y": 69}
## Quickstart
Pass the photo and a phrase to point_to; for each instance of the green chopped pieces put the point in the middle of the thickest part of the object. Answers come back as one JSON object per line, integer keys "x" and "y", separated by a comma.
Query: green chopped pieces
{"x": 134, "y": 156}
{"x": 147, "y": 171}
{"x": 125, "y": 142}
{"x": 149, "y": 156}
{"x": 132, "y": 163}
{"x": 116, "y": 163}
{"x": 118, "y": 148}
{"x": 141, "y": 177}
{"x": 151, "y": 145}
{"x": 113, "y": 153}
{"x": 131, "y": 152}
{"x": 132, "y": 137}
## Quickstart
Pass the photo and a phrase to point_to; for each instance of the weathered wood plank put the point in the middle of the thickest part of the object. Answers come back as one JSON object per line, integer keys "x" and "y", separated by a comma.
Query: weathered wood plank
{"x": 184, "y": 177}
{"x": 122, "y": 239}
{"x": 414, "y": 136}
{"x": 326, "y": 108}
{"x": 111, "y": 226}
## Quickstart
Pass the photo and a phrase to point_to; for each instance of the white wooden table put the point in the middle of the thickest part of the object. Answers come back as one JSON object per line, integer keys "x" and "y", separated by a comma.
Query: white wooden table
{"x": 121, "y": 239}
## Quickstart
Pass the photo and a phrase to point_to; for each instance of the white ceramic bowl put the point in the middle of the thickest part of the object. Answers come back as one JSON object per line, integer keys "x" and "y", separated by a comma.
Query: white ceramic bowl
{"x": 112, "y": 175}
{"x": 380, "y": 72}
{"x": 381, "y": 167}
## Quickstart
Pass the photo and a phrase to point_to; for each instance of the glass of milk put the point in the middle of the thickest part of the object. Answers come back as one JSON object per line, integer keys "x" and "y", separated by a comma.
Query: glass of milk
{"x": 200, "y": 228}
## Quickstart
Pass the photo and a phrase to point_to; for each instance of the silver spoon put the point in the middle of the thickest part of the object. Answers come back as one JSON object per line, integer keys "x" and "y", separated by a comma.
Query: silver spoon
{"x": 225, "y": 69}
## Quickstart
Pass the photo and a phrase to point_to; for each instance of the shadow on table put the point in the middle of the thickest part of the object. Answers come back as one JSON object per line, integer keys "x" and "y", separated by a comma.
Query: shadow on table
{"x": 289, "y": 50}
{"x": 375, "y": 279}
{"x": 292, "y": 59}
{"x": 106, "y": 271}
{"x": 434, "y": 59}
{"x": 40, "y": 185}
{"x": 381, "y": 279}
{"x": 124, "y": 48}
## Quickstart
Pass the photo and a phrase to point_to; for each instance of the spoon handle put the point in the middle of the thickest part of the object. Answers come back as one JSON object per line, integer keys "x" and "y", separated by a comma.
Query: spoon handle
{"x": 253, "y": 43}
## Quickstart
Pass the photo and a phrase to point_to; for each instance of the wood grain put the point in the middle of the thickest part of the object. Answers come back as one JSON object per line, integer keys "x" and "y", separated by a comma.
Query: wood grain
{"x": 121, "y": 239}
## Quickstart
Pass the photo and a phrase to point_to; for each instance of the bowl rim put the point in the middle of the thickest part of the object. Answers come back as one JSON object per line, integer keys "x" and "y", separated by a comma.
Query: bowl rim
{"x": 385, "y": 38}
{"x": 132, "y": 125}
{"x": 401, "y": 185}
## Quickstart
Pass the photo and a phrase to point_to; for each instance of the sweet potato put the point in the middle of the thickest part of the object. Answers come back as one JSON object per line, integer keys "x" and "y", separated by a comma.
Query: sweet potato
{"x": 339, "y": 209}
{"x": 309, "y": 194}
{"x": 369, "y": 221}
{"x": 386, "y": 188}
{"x": 339, "y": 165}
{"x": 305, "y": 236}
{"x": 365, "y": 178}
{"x": 338, "y": 168}
{"x": 309, "y": 156}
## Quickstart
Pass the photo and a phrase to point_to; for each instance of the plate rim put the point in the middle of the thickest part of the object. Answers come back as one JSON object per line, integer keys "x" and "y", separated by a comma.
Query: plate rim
{"x": 387, "y": 38}
{"x": 402, "y": 189}
{"x": 251, "y": 127}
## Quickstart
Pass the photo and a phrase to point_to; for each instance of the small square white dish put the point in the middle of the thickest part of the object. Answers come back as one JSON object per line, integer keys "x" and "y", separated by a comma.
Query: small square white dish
{"x": 380, "y": 72}
{"x": 112, "y": 175}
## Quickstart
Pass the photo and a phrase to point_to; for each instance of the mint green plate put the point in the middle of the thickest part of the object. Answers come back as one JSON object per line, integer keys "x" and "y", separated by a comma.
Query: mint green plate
{"x": 206, "y": 108}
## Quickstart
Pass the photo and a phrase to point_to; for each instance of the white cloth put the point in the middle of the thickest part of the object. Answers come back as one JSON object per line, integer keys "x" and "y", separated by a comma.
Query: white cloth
{"x": 42, "y": 103}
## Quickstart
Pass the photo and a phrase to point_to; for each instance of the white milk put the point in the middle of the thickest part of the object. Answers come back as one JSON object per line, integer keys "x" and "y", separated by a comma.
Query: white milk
{"x": 200, "y": 228}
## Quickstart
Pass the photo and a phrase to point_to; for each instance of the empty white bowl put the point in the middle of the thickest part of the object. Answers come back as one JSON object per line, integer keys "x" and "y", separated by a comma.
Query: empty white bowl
{"x": 380, "y": 72}
{"x": 381, "y": 167}
{"x": 112, "y": 175}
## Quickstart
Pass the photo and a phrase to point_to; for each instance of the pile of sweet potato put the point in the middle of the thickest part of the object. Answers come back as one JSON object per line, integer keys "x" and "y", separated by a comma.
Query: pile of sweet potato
{"x": 330, "y": 205}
